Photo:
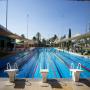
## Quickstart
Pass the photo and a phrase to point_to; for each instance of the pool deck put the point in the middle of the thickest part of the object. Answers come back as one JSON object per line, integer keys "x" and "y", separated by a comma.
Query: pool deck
{"x": 74, "y": 53}
{"x": 53, "y": 84}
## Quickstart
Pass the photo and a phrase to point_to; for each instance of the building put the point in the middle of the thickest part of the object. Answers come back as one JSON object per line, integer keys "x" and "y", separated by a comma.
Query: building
{"x": 8, "y": 41}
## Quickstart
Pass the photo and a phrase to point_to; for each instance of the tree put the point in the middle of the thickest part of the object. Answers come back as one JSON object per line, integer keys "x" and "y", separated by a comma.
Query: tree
{"x": 43, "y": 41}
{"x": 69, "y": 41}
{"x": 69, "y": 34}
{"x": 63, "y": 37}
{"x": 52, "y": 39}
{"x": 55, "y": 37}
{"x": 22, "y": 35}
{"x": 38, "y": 37}
{"x": 34, "y": 38}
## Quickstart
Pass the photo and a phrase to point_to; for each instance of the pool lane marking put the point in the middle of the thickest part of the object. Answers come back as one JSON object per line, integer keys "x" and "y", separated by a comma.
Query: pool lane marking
{"x": 44, "y": 60}
{"x": 85, "y": 61}
{"x": 11, "y": 61}
{"x": 35, "y": 69}
{"x": 81, "y": 64}
{"x": 57, "y": 69}
{"x": 36, "y": 66}
{"x": 26, "y": 60}
{"x": 51, "y": 66}
{"x": 77, "y": 62}
{"x": 61, "y": 60}
{"x": 26, "y": 57}
{"x": 31, "y": 67}
{"x": 27, "y": 73}
{"x": 29, "y": 56}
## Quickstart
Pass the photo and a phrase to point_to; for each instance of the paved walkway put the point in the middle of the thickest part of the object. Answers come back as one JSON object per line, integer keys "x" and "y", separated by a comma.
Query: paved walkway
{"x": 54, "y": 84}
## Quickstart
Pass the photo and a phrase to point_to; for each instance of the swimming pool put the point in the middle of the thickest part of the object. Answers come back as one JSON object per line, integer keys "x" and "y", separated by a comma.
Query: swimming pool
{"x": 57, "y": 62}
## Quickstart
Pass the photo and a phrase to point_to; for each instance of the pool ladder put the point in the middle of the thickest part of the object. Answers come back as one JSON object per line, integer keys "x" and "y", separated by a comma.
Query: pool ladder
{"x": 72, "y": 67}
{"x": 9, "y": 66}
{"x": 78, "y": 66}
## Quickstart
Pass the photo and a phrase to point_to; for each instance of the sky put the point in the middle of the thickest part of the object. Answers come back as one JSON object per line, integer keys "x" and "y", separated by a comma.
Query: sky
{"x": 48, "y": 17}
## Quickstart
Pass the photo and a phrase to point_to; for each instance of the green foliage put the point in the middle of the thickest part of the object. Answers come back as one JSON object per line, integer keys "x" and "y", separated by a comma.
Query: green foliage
{"x": 22, "y": 35}
{"x": 43, "y": 41}
{"x": 38, "y": 37}
{"x": 69, "y": 35}
{"x": 34, "y": 38}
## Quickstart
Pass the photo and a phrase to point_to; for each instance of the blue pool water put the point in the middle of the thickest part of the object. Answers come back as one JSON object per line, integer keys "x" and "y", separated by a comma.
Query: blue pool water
{"x": 57, "y": 62}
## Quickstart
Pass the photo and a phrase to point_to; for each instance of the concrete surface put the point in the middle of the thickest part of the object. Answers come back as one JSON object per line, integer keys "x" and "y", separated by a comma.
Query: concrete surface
{"x": 54, "y": 84}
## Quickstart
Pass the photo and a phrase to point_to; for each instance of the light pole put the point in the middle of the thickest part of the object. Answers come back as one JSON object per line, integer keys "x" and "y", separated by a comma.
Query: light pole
{"x": 50, "y": 43}
{"x": 27, "y": 24}
{"x": 6, "y": 11}
{"x": 27, "y": 28}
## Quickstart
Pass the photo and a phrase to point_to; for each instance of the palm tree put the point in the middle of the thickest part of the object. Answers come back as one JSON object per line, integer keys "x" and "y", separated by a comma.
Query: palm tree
{"x": 69, "y": 34}
{"x": 69, "y": 37}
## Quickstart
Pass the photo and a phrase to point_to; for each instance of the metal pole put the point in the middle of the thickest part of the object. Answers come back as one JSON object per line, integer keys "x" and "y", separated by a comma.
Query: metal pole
{"x": 27, "y": 24}
{"x": 6, "y": 13}
{"x": 27, "y": 29}
{"x": 89, "y": 28}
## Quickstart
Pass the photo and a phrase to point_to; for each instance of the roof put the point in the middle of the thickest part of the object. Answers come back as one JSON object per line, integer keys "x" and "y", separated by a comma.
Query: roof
{"x": 83, "y": 36}
{"x": 7, "y": 33}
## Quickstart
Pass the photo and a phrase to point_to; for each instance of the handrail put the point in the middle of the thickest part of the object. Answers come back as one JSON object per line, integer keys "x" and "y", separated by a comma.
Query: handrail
{"x": 72, "y": 66}
{"x": 8, "y": 66}
{"x": 15, "y": 66}
{"x": 79, "y": 66}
